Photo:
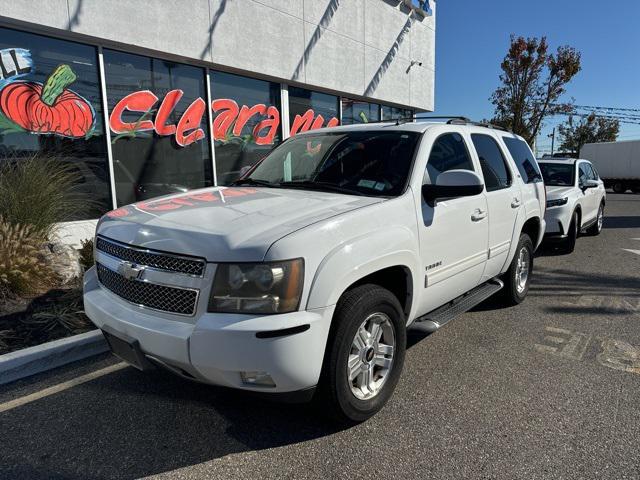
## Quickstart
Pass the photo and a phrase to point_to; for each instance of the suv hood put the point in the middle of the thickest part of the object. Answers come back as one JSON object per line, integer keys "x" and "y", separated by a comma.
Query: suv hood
{"x": 553, "y": 193}
{"x": 224, "y": 224}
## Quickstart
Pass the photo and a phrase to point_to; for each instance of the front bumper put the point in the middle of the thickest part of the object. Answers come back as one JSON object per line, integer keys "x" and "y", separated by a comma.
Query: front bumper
{"x": 215, "y": 348}
{"x": 558, "y": 220}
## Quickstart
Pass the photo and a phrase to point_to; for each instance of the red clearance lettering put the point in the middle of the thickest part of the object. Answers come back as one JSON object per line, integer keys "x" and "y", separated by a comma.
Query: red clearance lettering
{"x": 306, "y": 121}
{"x": 228, "y": 112}
{"x": 141, "y": 101}
{"x": 191, "y": 121}
{"x": 170, "y": 101}
{"x": 272, "y": 123}
{"x": 245, "y": 114}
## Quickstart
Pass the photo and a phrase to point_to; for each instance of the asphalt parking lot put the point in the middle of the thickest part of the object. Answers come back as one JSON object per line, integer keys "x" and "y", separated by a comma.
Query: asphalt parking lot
{"x": 548, "y": 389}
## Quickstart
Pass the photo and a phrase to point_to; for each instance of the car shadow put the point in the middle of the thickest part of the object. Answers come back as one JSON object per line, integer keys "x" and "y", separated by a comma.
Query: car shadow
{"x": 621, "y": 222}
{"x": 129, "y": 424}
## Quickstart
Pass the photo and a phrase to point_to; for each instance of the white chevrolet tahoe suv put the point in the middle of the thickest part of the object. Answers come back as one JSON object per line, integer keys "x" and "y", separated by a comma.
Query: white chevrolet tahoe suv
{"x": 302, "y": 277}
{"x": 575, "y": 200}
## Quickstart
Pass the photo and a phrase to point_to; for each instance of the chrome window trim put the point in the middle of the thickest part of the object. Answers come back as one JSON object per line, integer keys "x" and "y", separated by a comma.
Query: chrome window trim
{"x": 154, "y": 252}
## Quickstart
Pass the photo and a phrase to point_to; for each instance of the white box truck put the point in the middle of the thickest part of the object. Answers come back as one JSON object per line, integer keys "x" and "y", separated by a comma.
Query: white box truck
{"x": 618, "y": 163}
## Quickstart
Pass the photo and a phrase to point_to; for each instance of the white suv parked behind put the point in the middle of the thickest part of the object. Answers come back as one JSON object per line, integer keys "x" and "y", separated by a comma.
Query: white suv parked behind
{"x": 307, "y": 271}
{"x": 576, "y": 199}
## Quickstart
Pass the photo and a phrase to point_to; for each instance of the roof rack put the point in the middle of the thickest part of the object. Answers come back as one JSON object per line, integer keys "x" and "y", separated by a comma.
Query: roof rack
{"x": 460, "y": 120}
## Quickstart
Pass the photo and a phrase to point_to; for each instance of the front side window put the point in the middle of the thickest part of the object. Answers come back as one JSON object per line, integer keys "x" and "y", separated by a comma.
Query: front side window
{"x": 558, "y": 174}
{"x": 309, "y": 110}
{"x": 158, "y": 122}
{"x": 50, "y": 107}
{"x": 246, "y": 122}
{"x": 583, "y": 173}
{"x": 591, "y": 172}
{"x": 360, "y": 163}
{"x": 494, "y": 168}
{"x": 449, "y": 152}
{"x": 525, "y": 161}
{"x": 354, "y": 111}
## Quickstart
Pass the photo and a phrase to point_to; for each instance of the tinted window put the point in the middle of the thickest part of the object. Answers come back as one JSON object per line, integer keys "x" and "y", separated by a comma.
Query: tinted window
{"x": 393, "y": 112}
{"x": 449, "y": 152}
{"x": 246, "y": 122}
{"x": 494, "y": 169}
{"x": 309, "y": 110}
{"x": 158, "y": 126}
{"x": 525, "y": 161}
{"x": 583, "y": 173}
{"x": 558, "y": 174}
{"x": 591, "y": 172}
{"x": 55, "y": 116}
{"x": 354, "y": 111}
{"x": 373, "y": 163}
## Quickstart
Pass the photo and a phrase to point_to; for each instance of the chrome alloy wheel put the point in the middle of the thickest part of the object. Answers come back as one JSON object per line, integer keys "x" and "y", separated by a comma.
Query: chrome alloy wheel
{"x": 600, "y": 217}
{"x": 371, "y": 356}
{"x": 522, "y": 269}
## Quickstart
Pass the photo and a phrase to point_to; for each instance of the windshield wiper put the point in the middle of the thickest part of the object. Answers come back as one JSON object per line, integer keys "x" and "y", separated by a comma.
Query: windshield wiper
{"x": 253, "y": 182}
{"x": 326, "y": 186}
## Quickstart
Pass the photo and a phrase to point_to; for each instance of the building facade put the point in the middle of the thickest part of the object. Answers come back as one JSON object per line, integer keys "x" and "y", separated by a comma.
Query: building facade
{"x": 152, "y": 97}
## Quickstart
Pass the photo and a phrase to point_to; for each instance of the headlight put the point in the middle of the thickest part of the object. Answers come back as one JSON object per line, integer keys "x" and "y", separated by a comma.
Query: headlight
{"x": 271, "y": 287}
{"x": 557, "y": 202}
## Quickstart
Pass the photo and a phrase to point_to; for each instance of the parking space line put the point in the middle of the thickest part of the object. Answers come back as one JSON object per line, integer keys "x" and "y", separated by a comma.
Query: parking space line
{"x": 61, "y": 387}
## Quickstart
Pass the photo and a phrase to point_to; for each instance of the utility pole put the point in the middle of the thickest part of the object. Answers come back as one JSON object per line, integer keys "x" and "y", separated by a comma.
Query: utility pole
{"x": 552, "y": 135}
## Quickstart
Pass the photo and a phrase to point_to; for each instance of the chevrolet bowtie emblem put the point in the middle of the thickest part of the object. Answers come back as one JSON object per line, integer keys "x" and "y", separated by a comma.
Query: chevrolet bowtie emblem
{"x": 130, "y": 271}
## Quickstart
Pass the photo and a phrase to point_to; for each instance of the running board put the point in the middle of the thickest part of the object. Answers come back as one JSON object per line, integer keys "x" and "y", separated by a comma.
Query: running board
{"x": 432, "y": 321}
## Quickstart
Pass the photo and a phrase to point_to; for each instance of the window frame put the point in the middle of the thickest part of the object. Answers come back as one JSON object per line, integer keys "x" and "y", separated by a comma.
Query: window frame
{"x": 464, "y": 143}
{"x": 504, "y": 162}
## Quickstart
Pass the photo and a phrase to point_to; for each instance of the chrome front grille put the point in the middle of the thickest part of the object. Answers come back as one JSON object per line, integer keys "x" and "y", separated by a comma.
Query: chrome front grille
{"x": 180, "y": 301}
{"x": 154, "y": 259}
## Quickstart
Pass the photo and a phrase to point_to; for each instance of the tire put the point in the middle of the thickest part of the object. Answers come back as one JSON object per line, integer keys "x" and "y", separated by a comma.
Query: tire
{"x": 351, "y": 348}
{"x": 514, "y": 291}
{"x": 635, "y": 189}
{"x": 596, "y": 228}
{"x": 568, "y": 245}
{"x": 619, "y": 187}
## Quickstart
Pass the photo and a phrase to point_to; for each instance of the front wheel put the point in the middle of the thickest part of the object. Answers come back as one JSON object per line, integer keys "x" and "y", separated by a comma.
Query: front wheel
{"x": 518, "y": 277}
{"x": 569, "y": 243}
{"x": 365, "y": 353}
{"x": 619, "y": 187}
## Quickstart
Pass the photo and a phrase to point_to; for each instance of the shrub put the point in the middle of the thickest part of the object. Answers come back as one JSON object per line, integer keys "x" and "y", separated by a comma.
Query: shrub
{"x": 23, "y": 268}
{"x": 86, "y": 254}
{"x": 40, "y": 190}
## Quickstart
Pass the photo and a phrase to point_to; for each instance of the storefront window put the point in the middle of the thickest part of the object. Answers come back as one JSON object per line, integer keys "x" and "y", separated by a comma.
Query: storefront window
{"x": 390, "y": 113}
{"x": 246, "y": 122}
{"x": 158, "y": 122}
{"x": 50, "y": 107}
{"x": 354, "y": 111}
{"x": 310, "y": 110}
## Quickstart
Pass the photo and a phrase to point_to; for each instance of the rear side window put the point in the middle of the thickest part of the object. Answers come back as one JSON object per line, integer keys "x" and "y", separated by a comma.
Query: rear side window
{"x": 525, "y": 161}
{"x": 449, "y": 152}
{"x": 494, "y": 169}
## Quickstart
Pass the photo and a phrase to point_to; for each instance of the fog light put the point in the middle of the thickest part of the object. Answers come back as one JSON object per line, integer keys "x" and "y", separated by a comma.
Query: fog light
{"x": 258, "y": 379}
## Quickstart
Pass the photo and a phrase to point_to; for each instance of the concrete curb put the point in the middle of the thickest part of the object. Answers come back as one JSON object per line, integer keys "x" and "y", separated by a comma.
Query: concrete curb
{"x": 29, "y": 361}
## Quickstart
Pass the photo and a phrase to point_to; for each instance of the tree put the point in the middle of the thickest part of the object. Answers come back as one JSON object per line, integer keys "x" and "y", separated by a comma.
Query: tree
{"x": 532, "y": 82}
{"x": 591, "y": 129}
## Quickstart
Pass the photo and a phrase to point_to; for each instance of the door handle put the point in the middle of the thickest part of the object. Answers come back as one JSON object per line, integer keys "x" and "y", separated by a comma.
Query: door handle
{"x": 515, "y": 203}
{"x": 478, "y": 215}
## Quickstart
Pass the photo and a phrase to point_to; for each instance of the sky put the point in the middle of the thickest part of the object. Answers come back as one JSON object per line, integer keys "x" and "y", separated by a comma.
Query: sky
{"x": 472, "y": 38}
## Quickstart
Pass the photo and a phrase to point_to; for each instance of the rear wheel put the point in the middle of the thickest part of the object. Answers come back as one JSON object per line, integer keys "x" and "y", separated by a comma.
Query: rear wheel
{"x": 596, "y": 228}
{"x": 569, "y": 243}
{"x": 619, "y": 187}
{"x": 365, "y": 353}
{"x": 518, "y": 277}
{"x": 635, "y": 189}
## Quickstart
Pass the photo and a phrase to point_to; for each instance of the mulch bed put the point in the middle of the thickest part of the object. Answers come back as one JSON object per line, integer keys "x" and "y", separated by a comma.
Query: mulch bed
{"x": 25, "y": 322}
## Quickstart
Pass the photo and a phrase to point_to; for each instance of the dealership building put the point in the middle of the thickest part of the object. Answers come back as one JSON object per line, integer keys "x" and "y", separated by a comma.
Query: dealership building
{"x": 152, "y": 97}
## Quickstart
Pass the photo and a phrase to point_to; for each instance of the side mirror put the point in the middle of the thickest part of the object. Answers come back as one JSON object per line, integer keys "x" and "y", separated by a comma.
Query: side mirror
{"x": 453, "y": 184}
{"x": 590, "y": 184}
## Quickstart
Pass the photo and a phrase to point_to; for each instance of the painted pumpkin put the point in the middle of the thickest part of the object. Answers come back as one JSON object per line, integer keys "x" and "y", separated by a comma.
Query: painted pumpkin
{"x": 48, "y": 108}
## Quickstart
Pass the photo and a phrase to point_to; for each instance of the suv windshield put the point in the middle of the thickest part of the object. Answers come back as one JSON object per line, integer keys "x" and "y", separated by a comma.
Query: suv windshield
{"x": 558, "y": 174}
{"x": 358, "y": 162}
